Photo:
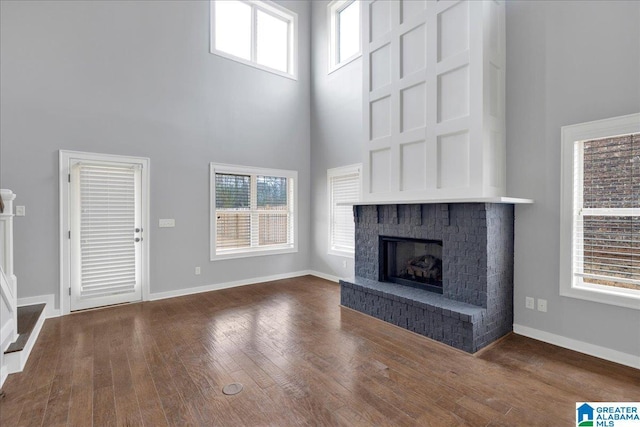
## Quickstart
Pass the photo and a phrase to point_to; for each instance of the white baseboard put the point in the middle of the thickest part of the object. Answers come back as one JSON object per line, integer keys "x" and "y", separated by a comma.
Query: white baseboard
{"x": 6, "y": 334}
{"x": 579, "y": 346}
{"x": 4, "y": 373}
{"x": 217, "y": 286}
{"x": 50, "y": 300}
{"x": 325, "y": 276}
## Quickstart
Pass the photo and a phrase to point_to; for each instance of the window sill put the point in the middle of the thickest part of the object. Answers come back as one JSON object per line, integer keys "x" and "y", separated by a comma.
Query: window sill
{"x": 344, "y": 254}
{"x": 620, "y": 297}
{"x": 336, "y": 67}
{"x": 253, "y": 253}
{"x": 252, "y": 64}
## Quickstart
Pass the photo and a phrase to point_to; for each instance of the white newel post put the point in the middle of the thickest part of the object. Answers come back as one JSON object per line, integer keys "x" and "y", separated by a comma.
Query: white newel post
{"x": 6, "y": 251}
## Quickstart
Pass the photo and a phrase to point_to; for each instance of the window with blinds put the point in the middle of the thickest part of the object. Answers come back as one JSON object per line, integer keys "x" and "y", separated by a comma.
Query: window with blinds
{"x": 606, "y": 222}
{"x": 254, "y": 211}
{"x": 343, "y": 187}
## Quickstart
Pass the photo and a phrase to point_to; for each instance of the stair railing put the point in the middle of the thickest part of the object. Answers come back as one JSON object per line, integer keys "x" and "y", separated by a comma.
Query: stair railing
{"x": 8, "y": 283}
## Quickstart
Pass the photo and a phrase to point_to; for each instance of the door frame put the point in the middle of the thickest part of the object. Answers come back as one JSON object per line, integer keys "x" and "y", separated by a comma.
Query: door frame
{"x": 65, "y": 158}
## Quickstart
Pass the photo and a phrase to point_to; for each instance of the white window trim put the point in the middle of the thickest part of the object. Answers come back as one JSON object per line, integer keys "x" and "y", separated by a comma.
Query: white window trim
{"x": 65, "y": 159}
{"x": 248, "y": 170}
{"x": 334, "y": 8}
{"x": 331, "y": 173}
{"x": 629, "y": 298}
{"x": 271, "y": 8}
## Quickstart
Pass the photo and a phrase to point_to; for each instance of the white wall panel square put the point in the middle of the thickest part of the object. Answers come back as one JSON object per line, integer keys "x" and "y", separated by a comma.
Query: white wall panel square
{"x": 433, "y": 99}
{"x": 380, "y": 19}
{"x": 413, "y": 164}
{"x": 413, "y": 51}
{"x": 380, "y": 172}
{"x": 453, "y": 160}
{"x": 453, "y": 94}
{"x": 413, "y": 107}
{"x": 411, "y": 8}
{"x": 453, "y": 30}
{"x": 380, "y": 67}
{"x": 380, "y": 118}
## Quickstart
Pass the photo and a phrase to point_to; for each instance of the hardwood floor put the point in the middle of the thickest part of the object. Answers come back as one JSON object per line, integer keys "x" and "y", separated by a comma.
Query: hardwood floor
{"x": 302, "y": 359}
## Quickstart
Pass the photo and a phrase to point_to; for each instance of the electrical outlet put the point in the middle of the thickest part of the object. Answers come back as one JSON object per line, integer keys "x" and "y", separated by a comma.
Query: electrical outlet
{"x": 529, "y": 302}
{"x": 197, "y": 270}
{"x": 344, "y": 264}
{"x": 542, "y": 305}
{"x": 20, "y": 211}
{"x": 166, "y": 223}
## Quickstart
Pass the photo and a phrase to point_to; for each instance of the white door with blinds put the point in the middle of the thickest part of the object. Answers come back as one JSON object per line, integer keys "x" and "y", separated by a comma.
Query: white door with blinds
{"x": 106, "y": 233}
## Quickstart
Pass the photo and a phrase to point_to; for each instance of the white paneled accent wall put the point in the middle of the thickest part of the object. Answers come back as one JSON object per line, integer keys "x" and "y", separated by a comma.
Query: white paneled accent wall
{"x": 434, "y": 99}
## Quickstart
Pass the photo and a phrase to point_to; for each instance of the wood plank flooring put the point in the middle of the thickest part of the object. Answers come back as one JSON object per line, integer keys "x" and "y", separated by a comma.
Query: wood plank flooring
{"x": 302, "y": 359}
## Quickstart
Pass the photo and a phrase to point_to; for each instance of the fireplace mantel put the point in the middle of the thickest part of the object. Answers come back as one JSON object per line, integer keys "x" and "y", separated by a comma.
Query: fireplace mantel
{"x": 500, "y": 200}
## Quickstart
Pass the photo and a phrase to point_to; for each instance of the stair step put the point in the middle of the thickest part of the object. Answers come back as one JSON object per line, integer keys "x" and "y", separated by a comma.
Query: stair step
{"x": 27, "y": 318}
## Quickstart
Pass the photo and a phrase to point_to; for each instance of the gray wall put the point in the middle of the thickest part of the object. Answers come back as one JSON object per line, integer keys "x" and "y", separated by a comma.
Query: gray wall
{"x": 336, "y": 135}
{"x": 136, "y": 78}
{"x": 567, "y": 62}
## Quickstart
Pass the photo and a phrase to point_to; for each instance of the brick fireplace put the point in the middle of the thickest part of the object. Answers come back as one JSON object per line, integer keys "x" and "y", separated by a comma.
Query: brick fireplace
{"x": 475, "y": 304}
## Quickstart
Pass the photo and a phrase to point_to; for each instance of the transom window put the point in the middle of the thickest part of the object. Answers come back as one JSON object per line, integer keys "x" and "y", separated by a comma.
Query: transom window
{"x": 257, "y": 33}
{"x": 344, "y": 34}
{"x": 254, "y": 211}
{"x": 605, "y": 209}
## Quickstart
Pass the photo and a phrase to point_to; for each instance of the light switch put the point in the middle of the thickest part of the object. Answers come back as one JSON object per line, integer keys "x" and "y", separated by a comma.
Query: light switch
{"x": 166, "y": 223}
{"x": 20, "y": 211}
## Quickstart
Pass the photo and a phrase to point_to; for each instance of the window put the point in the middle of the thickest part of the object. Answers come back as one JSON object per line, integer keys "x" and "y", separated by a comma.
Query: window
{"x": 344, "y": 187}
{"x": 253, "y": 211}
{"x": 600, "y": 227}
{"x": 344, "y": 34}
{"x": 257, "y": 33}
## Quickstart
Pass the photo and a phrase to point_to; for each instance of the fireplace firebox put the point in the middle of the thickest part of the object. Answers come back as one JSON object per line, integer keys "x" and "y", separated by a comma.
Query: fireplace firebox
{"x": 411, "y": 262}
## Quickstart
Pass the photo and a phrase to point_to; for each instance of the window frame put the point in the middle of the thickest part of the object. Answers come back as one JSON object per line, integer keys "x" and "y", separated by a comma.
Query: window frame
{"x": 333, "y": 11}
{"x": 274, "y": 10}
{"x": 571, "y": 135}
{"x": 333, "y": 173}
{"x": 292, "y": 176}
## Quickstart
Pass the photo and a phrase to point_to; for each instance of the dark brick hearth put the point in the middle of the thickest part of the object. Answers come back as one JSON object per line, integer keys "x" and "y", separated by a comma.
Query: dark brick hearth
{"x": 476, "y": 306}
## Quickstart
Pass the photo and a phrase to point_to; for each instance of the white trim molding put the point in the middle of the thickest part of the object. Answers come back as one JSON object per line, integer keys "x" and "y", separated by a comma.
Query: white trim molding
{"x": 255, "y": 248}
{"x": 325, "y": 276}
{"x": 65, "y": 160}
{"x": 336, "y": 201}
{"x": 629, "y": 298}
{"x": 50, "y": 299}
{"x": 579, "y": 346}
{"x": 237, "y": 283}
{"x": 333, "y": 21}
{"x": 16, "y": 361}
{"x": 276, "y": 11}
